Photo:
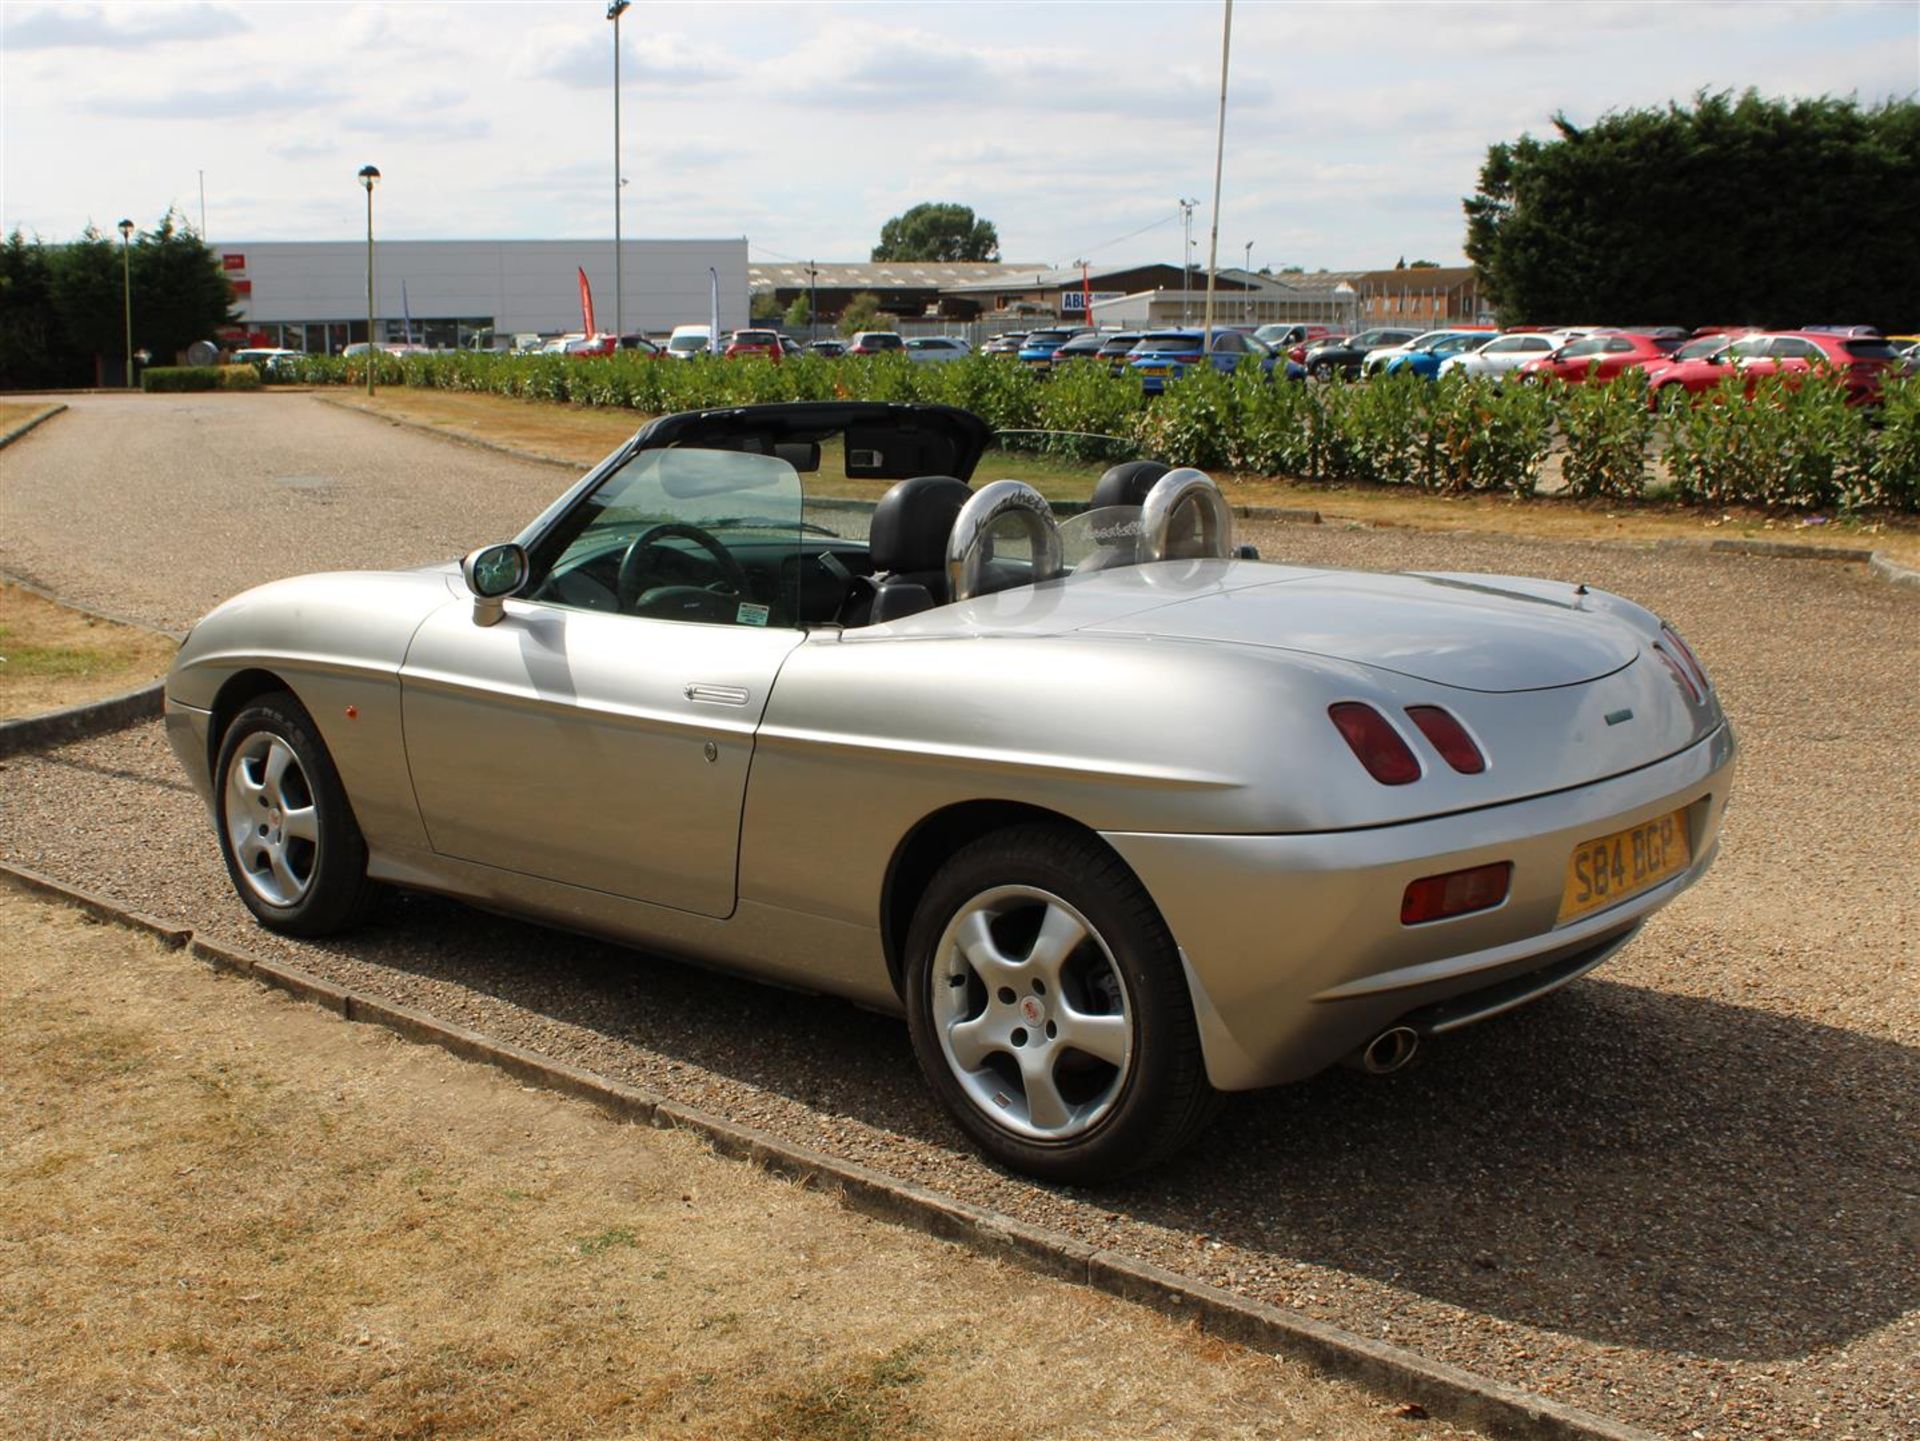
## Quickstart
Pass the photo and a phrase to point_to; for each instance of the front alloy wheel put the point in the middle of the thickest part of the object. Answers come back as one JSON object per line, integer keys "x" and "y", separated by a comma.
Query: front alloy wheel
{"x": 287, "y": 833}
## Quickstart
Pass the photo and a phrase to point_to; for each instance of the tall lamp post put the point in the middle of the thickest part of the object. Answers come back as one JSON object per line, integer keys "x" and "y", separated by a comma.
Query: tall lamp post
{"x": 1248, "y": 267}
{"x": 1186, "y": 256}
{"x": 126, "y": 289}
{"x": 615, "y": 9}
{"x": 369, "y": 177}
{"x": 813, "y": 302}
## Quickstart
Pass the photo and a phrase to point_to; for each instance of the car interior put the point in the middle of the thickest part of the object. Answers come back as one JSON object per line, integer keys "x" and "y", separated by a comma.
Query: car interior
{"x": 712, "y": 523}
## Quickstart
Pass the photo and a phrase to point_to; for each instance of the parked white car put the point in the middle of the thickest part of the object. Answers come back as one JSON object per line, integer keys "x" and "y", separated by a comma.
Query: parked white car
{"x": 1508, "y": 352}
{"x": 688, "y": 341}
{"x": 937, "y": 349}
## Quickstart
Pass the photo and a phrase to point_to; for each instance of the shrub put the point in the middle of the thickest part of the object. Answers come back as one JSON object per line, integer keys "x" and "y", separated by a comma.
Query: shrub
{"x": 172, "y": 378}
{"x": 238, "y": 377}
{"x": 1188, "y": 423}
{"x": 1492, "y": 437}
{"x": 1892, "y": 478}
{"x": 1608, "y": 429}
{"x": 1794, "y": 442}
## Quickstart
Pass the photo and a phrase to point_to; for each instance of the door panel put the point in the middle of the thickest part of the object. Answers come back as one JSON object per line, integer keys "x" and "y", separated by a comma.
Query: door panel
{"x": 601, "y": 750}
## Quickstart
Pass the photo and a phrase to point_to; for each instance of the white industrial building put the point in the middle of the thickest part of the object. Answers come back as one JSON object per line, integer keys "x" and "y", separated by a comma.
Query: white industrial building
{"x": 312, "y": 295}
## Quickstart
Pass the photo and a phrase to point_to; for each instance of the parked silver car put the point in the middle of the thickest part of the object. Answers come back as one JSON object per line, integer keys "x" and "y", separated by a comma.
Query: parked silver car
{"x": 1118, "y": 815}
{"x": 937, "y": 349}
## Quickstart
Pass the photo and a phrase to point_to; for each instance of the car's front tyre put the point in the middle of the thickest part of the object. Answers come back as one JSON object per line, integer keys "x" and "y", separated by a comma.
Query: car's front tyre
{"x": 292, "y": 847}
{"x": 1049, "y": 1009}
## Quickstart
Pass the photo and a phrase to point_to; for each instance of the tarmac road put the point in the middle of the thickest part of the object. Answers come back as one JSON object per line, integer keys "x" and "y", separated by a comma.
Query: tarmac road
{"x": 1685, "y": 1192}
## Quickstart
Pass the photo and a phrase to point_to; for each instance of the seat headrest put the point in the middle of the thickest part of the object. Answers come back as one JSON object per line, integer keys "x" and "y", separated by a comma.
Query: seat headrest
{"x": 912, "y": 522}
{"x": 1127, "y": 483}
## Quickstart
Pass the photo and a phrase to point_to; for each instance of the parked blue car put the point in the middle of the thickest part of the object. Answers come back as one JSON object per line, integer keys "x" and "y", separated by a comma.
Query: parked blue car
{"x": 1164, "y": 355}
{"x": 1037, "y": 349}
{"x": 1426, "y": 360}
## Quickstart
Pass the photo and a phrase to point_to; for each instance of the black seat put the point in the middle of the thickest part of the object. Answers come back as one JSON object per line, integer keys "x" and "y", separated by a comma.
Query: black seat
{"x": 908, "y": 542}
{"x": 1127, "y": 483}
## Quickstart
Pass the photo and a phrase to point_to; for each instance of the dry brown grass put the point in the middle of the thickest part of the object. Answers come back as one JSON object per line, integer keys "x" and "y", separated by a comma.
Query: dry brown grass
{"x": 229, "y": 1214}
{"x": 582, "y": 436}
{"x": 13, "y": 412}
{"x": 51, "y": 656}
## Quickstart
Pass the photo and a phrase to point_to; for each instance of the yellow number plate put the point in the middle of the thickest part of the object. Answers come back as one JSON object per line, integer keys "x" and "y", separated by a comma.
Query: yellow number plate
{"x": 1608, "y": 869}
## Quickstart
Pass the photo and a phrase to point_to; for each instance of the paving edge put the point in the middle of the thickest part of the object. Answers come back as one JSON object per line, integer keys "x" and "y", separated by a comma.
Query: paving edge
{"x": 1447, "y": 1392}
{"x": 79, "y": 722}
{"x": 13, "y": 433}
{"x": 423, "y": 428}
{"x": 90, "y": 718}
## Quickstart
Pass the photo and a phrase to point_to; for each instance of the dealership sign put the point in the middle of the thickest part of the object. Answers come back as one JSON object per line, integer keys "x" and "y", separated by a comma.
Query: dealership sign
{"x": 232, "y": 260}
{"x": 1076, "y": 300}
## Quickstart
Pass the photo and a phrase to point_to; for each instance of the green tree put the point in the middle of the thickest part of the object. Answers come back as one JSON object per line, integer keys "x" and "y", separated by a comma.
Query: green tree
{"x": 1733, "y": 209}
{"x": 180, "y": 294}
{"x": 933, "y": 231}
{"x": 862, "y": 313}
{"x": 34, "y": 349}
{"x": 89, "y": 297}
{"x": 763, "y": 305}
{"x": 798, "y": 314}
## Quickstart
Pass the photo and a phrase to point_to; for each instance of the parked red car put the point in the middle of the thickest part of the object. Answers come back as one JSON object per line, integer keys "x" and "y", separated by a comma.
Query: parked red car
{"x": 1600, "y": 356}
{"x": 764, "y": 343}
{"x": 1860, "y": 363}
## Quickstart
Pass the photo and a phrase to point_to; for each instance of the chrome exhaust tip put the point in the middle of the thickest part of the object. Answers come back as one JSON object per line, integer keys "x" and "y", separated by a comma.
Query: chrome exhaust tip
{"x": 1389, "y": 1051}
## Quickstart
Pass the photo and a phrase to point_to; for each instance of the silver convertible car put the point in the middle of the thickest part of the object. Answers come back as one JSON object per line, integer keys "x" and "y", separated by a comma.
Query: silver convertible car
{"x": 1119, "y": 815}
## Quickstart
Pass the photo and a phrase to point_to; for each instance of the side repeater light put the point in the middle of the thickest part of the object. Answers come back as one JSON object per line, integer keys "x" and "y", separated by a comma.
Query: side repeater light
{"x": 1449, "y": 737}
{"x": 1457, "y": 893}
{"x": 1671, "y": 639}
{"x": 1375, "y": 742}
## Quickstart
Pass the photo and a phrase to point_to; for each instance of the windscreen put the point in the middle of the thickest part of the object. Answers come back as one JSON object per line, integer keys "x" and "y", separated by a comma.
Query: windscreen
{"x": 708, "y": 536}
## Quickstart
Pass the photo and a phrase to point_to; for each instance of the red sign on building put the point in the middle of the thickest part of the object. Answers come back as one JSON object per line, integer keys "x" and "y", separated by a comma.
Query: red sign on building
{"x": 242, "y": 287}
{"x": 231, "y": 261}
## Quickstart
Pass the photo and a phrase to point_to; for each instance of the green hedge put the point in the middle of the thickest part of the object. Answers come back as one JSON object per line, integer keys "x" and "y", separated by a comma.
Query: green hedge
{"x": 179, "y": 377}
{"x": 1797, "y": 446}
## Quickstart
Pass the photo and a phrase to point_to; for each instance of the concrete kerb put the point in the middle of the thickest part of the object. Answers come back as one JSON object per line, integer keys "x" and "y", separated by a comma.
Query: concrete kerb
{"x": 1447, "y": 1392}
{"x": 470, "y": 440}
{"x": 91, "y": 718}
{"x": 13, "y": 433}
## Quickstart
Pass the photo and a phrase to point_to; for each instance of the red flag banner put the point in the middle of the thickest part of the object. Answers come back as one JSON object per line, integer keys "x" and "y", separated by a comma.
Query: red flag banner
{"x": 586, "y": 304}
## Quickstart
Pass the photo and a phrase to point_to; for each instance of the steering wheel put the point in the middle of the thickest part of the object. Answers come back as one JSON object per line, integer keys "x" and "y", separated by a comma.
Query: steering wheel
{"x": 636, "y": 566}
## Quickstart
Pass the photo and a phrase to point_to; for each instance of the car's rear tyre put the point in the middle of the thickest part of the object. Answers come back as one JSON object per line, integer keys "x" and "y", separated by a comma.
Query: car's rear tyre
{"x": 293, "y": 849}
{"x": 1049, "y": 1009}
{"x": 1323, "y": 370}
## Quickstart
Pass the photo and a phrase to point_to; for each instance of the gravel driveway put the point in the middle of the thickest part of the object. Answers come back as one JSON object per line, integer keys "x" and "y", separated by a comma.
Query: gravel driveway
{"x": 1684, "y": 1192}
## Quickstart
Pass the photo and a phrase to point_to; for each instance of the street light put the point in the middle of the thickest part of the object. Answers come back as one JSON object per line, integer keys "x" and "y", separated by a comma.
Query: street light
{"x": 126, "y": 289}
{"x": 615, "y": 9}
{"x": 813, "y": 302}
{"x": 369, "y": 177}
{"x": 1248, "y": 267}
{"x": 1186, "y": 255}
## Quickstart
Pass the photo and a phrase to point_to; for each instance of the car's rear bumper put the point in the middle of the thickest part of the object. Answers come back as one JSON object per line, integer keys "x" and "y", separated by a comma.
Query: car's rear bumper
{"x": 1293, "y": 944}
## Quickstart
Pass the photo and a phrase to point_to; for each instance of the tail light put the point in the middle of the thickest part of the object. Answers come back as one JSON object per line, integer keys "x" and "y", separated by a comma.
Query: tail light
{"x": 1449, "y": 737}
{"x": 1375, "y": 742}
{"x": 1457, "y": 893}
{"x": 1685, "y": 652}
{"x": 1687, "y": 682}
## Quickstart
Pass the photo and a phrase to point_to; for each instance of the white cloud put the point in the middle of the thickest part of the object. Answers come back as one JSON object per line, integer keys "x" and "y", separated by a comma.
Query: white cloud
{"x": 123, "y": 27}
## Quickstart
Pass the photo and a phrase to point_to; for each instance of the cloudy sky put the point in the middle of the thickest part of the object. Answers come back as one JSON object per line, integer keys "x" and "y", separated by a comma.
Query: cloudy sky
{"x": 1353, "y": 129}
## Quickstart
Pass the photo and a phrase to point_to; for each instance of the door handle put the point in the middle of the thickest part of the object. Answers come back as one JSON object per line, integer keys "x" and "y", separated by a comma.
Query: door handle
{"x": 716, "y": 694}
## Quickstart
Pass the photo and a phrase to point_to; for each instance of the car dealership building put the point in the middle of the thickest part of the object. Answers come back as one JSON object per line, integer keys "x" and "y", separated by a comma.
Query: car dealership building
{"x": 312, "y": 295}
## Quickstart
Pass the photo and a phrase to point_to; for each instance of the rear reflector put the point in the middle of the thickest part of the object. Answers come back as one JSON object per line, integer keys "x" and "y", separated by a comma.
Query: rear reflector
{"x": 1457, "y": 893}
{"x": 1375, "y": 742}
{"x": 1449, "y": 737}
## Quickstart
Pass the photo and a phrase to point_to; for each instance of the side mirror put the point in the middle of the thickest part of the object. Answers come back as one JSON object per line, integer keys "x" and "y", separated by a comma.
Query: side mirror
{"x": 493, "y": 573}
